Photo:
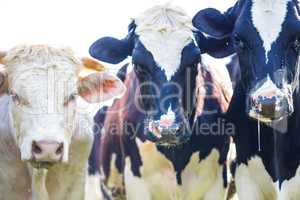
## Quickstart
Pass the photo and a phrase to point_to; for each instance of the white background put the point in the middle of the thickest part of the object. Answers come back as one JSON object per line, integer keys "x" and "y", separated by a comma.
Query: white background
{"x": 78, "y": 23}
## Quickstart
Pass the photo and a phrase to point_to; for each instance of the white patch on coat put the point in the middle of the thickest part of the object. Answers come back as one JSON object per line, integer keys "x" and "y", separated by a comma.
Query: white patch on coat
{"x": 165, "y": 31}
{"x": 268, "y": 17}
{"x": 290, "y": 188}
{"x": 203, "y": 179}
{"x": 253, "y": 181}
{"x": 92, "y": 188}
{"x": 200, "y": 179}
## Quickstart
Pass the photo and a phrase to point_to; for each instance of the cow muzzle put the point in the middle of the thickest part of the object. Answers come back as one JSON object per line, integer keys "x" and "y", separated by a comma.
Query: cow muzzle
{"x": 46, "y": 153}
{"x": 167, "y": 132}
{"x": 268, "y": 103}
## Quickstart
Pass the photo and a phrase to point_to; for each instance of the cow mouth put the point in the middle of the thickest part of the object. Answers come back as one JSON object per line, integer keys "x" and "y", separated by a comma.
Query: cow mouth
{"x": 167, "y": 136}
{"x": 42, "y": 165}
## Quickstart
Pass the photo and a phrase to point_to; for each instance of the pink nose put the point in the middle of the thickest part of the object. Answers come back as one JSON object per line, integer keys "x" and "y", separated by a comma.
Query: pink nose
{"x": 47, "y": 151}
{"x": 166, "y": 122}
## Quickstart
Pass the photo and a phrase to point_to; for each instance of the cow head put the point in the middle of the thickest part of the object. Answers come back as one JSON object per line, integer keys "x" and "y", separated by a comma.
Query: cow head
{"x": 266, "y": 36}
{"x": 44, "y": 84}
{"x": 165, "y": 58}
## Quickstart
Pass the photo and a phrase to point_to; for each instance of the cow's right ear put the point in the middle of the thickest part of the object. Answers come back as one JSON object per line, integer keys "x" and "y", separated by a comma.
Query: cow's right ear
{"x": 216, "y": 24}
{"x": 111, "y": 50}
{"x": 213, "y": 23}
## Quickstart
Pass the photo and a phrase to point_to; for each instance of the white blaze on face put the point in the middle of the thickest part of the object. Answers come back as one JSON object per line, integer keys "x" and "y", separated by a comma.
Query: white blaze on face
{"x": 268, "y": 17}
{"x": 165, "y": 31}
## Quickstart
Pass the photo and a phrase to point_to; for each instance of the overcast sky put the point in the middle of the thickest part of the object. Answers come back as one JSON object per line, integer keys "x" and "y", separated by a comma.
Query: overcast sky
{"x": 78, "y": 23}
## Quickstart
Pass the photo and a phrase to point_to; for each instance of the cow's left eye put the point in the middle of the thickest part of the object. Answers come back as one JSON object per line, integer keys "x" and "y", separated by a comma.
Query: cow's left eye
{"x": 239, "y": 43}
{"x": 17, "y": 99}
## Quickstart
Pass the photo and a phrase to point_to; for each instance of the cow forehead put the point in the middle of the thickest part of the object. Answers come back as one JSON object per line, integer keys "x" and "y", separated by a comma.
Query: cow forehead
{"x": 40, "y": 57}
{"x": 165, "y": 31}
{"x": 36, "y": 68}
{"x": 36, "y": 78}
{"x": 268, "y": 17}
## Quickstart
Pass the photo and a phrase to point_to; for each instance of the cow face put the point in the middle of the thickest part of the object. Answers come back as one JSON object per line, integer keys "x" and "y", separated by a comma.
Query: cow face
{"x": 265, "y": 35}
{"x": 44, "y": 84}
{"x": 165, "y": 61}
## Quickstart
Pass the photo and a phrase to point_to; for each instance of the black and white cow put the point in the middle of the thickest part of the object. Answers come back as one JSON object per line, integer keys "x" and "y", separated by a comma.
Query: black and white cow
{"x": 265, "y": 105}
{"x": 163, "y": 136}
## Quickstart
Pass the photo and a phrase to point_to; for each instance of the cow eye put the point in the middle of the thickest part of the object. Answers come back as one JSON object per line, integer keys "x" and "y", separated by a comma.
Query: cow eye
{"x": 16, "y": 99}
{"x": 296, "y": 45}
{"x": 239, "y": 43}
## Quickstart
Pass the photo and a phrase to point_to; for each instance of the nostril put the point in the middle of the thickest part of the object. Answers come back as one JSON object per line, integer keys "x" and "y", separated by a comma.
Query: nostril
{"x": 36, "y": 149}
{"x": 60, "y": 149}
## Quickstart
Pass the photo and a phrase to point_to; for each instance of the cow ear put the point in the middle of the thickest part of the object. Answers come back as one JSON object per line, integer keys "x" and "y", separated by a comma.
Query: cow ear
{"x": 111, "y": 50}
{"x": 100, "y": 86}
{"x": 217, "y": 48}
{"x": 213, "y": 23}
{"x": 91, "y": 64}
{"x": 216, "y": 24}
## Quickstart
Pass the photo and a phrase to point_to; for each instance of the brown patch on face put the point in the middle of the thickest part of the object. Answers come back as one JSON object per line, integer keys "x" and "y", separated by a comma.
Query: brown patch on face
{"x": 92, "y": 64}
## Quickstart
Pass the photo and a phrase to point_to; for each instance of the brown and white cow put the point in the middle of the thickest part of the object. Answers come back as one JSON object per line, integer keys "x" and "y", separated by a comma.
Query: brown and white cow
{"x": 45, "y": 139}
